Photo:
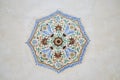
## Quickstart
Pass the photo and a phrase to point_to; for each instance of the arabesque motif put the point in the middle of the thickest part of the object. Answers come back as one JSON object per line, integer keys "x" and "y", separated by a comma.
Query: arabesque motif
{"x": 58, "y": 41}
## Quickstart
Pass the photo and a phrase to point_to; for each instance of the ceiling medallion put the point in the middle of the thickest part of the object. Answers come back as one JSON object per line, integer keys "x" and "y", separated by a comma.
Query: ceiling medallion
{"x": 58, "y": 41}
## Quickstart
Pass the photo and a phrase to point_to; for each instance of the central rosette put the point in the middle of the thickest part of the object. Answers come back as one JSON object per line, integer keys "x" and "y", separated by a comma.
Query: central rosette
{"x": 58, "y": 41}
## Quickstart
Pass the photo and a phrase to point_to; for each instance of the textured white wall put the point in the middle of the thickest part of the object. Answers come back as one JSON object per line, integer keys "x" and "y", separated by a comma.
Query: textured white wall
{"x": 101, "y": 19}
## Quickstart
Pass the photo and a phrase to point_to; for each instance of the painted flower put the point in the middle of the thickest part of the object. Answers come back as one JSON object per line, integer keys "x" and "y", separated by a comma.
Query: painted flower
{"x": 58, "y": 41}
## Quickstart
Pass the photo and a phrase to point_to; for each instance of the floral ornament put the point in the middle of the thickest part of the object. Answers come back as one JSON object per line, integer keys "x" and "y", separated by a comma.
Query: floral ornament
{"x": 58, "y": 41}
{"x": 58, "y": 27}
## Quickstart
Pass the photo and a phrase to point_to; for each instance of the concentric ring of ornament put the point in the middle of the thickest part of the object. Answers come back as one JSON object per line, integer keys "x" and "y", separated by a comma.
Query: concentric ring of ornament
{"x": 58, "y": 41}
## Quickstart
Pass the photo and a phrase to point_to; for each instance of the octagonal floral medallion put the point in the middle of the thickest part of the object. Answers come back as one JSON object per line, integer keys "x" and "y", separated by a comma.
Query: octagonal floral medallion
{"x": 58, "y": 41}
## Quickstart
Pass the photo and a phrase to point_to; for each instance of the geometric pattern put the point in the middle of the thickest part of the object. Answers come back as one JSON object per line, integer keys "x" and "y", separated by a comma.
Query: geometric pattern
{"x": 58, "y": 41}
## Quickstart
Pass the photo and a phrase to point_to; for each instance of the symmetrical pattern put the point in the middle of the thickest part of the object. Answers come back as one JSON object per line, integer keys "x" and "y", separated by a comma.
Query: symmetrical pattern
{"x": 58, "y": 41}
